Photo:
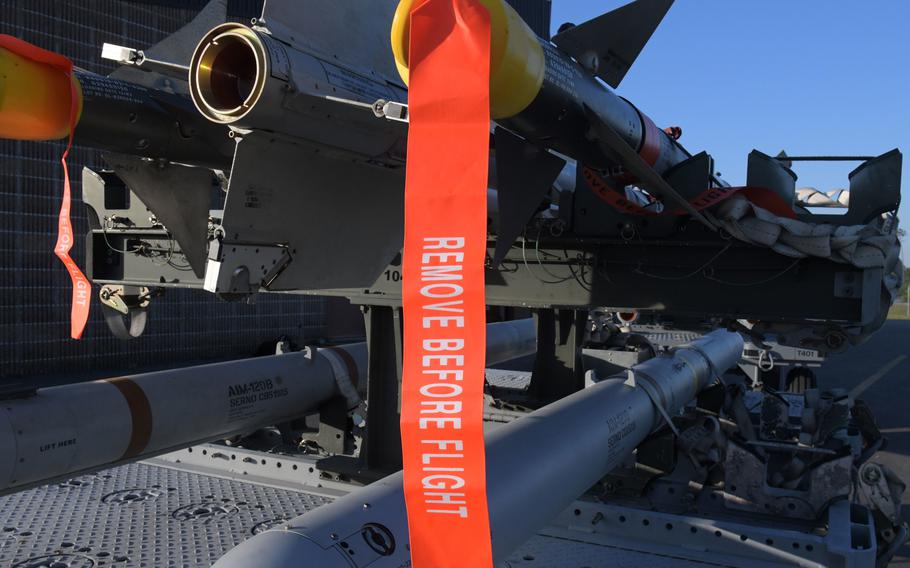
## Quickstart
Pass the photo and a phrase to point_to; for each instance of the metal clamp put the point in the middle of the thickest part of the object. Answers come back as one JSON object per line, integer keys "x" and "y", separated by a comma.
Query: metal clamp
{"x": 647, "y": 384}
{"x": 391, "y": 111}
{"x": 136, "y": 58}
{"x": 346, "y": 383}
{"x": 119, "y": 303}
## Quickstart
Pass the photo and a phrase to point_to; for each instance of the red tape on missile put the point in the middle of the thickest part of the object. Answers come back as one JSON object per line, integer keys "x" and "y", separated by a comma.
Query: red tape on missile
{"x": 443, "y": 285}
{"x": 761, "y": 196}
{"x": 81, "y": 286}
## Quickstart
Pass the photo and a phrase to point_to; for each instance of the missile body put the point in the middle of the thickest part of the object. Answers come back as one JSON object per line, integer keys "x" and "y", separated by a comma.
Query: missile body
{"x": 127, "y": 118}
{"x": 113, "y": 115}
{"x": 248, "y": 79}
{"x": 548, "y": 98}
{"x": 63, "y": 431}
{"x": 72, "y": 429}
{"x": 587, "y": 434}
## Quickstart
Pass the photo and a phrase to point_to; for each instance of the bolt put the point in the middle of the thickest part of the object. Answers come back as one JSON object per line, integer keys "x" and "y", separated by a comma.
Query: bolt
{"x": 871, "y": 475}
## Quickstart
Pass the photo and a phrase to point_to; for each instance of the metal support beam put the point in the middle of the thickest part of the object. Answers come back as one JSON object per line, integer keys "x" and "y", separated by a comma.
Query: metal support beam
{"x": 380, "y": 454}
{"x": 558, "y": 369}
{"x": 382, "y": 446}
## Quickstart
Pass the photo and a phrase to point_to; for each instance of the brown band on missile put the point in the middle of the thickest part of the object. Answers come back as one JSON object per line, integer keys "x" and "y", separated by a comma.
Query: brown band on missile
{"x": 349, "y": 362}
{"x": 141, "y": 414}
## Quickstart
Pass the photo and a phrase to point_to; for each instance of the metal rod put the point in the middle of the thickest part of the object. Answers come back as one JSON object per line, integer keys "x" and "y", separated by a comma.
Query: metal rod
{"x": 824, "y": 158}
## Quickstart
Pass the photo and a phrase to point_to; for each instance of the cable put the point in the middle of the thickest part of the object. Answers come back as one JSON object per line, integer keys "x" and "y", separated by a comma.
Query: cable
{"x": 691, "y": 274}
{"x": 759, "y": 282}
{"x": 524, "y": 257}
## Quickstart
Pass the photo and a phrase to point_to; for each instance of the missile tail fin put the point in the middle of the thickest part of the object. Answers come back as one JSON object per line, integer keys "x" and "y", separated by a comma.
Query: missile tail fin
{"x": 524, "y": 175}
{"x": 609, "y": 44}
{"x": 180, "y": 196}
{"x": 612, "y": 144}
{"x": 178, "y": 47}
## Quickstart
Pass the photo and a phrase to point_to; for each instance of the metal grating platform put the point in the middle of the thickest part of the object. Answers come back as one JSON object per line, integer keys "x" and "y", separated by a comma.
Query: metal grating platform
{"x": 139, "y": 516}
{"x": 508, "y": 379}
{"x": 188, "y": 508}
{"x": 146, "y": 516}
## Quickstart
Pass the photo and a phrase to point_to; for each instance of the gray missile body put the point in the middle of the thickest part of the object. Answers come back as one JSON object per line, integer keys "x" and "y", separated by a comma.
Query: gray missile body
{"x": 56, "y": 433}
{"x": 604, "y": 423}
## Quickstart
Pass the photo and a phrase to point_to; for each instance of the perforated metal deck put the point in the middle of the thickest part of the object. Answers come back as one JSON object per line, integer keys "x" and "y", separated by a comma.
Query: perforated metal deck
{"x": 144, "y": 515}
{"x": 139, "y": 515}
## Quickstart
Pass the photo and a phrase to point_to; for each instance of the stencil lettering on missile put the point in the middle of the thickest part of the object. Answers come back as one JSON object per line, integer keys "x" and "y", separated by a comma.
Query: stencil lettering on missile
{"x": 560, "y": 72}
{"x": 443, "y": 285}
{"x": 110, "y": 90}
{"x": 364, "y": 88}
{"x": 621, "y": 426}
{"x": 82, "y": 288}
{"x": 244, "y": 398}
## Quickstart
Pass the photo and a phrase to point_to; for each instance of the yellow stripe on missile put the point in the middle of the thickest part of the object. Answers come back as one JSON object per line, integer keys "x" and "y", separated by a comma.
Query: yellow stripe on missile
{"x": 518, "y": 64}
{"x": 34, "y": 99}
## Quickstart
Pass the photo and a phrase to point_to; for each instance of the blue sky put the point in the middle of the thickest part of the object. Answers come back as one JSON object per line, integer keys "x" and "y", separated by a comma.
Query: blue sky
{"x": 808, "y": 76}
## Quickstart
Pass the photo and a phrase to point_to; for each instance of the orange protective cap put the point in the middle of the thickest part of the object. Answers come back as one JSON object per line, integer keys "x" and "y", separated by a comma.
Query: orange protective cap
{"x": 35, "y": 98}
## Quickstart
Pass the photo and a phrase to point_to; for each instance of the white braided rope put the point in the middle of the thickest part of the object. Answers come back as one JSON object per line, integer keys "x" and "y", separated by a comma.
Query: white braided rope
{"x": 875, "y": 245}
{"x": 811, "y": 197}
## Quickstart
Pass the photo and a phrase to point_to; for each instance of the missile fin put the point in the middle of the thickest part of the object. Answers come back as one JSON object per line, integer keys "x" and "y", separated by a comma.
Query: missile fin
{"x": 180, "y": 197}
{"x": 176, "y": 48}
{"x": 341, "y": 220}
{"x": 524, "y": 174}
{"x": 613, "y": 144}
{"x": 609, "y": 44}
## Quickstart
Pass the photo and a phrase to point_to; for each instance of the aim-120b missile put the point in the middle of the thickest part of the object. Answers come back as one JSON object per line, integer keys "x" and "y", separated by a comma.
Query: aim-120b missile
{"x": 586, "y": 434}
{"x": 59, "y": 432}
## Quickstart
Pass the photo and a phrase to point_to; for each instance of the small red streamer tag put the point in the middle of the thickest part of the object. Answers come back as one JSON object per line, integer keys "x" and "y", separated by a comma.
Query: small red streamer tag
{"x": 81, "y": 286}
{"x": 443, "y": 286}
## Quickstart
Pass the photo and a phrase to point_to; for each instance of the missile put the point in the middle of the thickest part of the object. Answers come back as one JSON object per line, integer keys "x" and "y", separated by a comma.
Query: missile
{"x": 58, "y": 432}
{"x": 539, "y": 91}
{"x": 587, "y": 434}
{"x": 114, "y": 115}
{"x": 552, "y": 96}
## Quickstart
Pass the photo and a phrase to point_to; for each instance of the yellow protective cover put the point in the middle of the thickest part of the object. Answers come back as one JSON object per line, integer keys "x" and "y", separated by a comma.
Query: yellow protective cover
{"x": 517, "y": 65}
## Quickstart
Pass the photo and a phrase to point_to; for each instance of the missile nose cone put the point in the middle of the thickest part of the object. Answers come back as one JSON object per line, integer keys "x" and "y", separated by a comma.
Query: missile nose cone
{"x": 35, "y": 99}
{"x": 517, "y": 64}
